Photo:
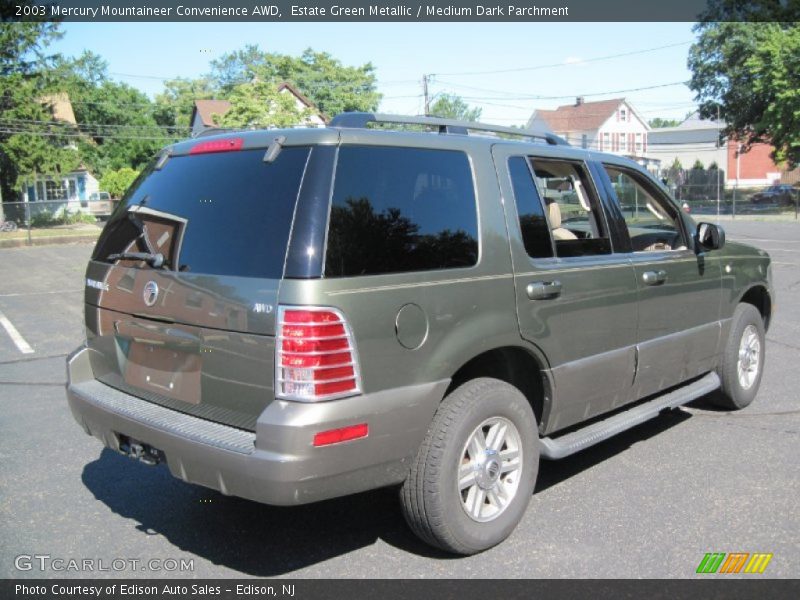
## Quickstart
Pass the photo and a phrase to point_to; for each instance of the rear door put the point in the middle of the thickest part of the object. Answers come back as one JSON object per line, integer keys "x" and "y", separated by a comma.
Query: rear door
{"x": 576, "y": 299}
{"x": 197, "y": 334}
{"x": 679, "y": 290}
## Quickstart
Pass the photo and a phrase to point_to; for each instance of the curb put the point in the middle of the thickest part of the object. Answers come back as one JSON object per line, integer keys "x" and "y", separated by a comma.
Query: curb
{"x": 48, "y": 241}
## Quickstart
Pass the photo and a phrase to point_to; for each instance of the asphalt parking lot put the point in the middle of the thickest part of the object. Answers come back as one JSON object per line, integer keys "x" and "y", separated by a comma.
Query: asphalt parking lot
{"x": 649, "y": 503}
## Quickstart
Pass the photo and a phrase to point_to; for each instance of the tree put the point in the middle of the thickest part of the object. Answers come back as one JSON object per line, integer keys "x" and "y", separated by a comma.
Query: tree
{"x": 173, "y": 106}
{"x": 117, "y": 182}
{"x": 750, "y": 73}
{"x": 259, "y": 104}
{"x": 451, "y": 106}
{"x": 323, "y": 79}
{"x": 659, "y": 122}
{"x": 116, "y": 121}
{"x": 28, "y": 146}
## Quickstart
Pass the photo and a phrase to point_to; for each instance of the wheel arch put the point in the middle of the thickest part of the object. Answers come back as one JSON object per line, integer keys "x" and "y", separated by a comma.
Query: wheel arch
{"x": 758, "y": 295}
{"x": 516, "y": 365}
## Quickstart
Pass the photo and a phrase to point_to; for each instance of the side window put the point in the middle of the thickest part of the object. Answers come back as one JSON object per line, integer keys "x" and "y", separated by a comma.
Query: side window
{"x": 652, "y": 221}
{"x": 532, "y": 222}
{"x": 573, "y": 211}
{"x": 397, "y": 210}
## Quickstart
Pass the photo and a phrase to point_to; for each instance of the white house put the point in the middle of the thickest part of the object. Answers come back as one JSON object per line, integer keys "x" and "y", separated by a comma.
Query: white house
{"x": 608, "y": 125}
{"x": 71, "y": 188}
{"x": 204, "y": 110}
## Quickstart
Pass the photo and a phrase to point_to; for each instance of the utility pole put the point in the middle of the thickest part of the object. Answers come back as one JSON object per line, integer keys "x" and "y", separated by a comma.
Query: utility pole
{"x": 719, "y": 163}
{"x": 425, "y": 93}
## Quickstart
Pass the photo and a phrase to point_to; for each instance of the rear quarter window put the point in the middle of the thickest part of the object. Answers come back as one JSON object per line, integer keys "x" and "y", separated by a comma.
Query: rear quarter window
{"x": 398, "y": 210}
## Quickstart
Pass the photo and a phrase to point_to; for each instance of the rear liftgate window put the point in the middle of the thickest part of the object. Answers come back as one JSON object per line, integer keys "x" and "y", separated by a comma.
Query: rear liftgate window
{"x": 397, "y": 210}
{"x": 221, "y": 213}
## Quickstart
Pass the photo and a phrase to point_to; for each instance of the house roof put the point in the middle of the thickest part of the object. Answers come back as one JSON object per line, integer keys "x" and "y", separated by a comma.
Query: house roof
{"x": 692, "y": 130}
{"x": 207, "y": 108}
{"x": 60, "y": 107}
{"x": 578, "y": 117}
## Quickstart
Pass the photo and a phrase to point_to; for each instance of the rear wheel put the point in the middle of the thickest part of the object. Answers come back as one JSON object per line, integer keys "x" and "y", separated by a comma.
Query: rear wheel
{"x": 743, "y": 359}
{"x": 474, "y": 474}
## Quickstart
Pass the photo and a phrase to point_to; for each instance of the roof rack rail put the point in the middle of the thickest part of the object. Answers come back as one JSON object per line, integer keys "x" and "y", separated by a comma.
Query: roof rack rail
{"x": 360, "y": 120}
{"x": 214, "y": 131}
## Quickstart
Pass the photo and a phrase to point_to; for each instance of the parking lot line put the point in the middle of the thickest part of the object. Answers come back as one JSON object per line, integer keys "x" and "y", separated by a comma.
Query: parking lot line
{"x": 15, "y": 335}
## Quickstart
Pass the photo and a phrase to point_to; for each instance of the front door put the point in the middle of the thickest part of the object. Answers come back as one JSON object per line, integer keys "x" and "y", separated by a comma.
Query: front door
{"x": 679, "y": 290}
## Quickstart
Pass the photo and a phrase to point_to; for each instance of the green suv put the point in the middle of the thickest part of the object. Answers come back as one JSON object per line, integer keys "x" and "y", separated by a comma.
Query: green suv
{"x": 294, "y": 315}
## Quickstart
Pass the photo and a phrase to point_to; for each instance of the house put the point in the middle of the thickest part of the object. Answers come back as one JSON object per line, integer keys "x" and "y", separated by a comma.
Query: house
{"x": 697, "y": 139}
{"x": 608, "y": 126}
{"x": 73, "y": 187}
{"x": 204, "y": 110}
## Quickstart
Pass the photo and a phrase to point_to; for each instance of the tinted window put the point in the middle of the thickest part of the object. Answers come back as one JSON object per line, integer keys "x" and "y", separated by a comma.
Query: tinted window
{"x": 401, "y": 209}
{"x": 226, "y": 213}
{"x": 532, "y": 222}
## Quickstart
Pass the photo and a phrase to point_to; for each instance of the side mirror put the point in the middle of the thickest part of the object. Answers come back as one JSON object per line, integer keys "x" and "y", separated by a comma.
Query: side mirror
{"x": 710, "y": 236}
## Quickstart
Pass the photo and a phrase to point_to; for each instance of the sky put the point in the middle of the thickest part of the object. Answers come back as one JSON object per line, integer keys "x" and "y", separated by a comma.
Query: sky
{"x": 507, "y": 69}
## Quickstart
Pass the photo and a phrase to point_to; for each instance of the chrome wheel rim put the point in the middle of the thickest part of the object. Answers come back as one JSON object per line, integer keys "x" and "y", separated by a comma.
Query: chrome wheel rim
{"x": 749, "y": 357}
{"x": 489, "y": 469}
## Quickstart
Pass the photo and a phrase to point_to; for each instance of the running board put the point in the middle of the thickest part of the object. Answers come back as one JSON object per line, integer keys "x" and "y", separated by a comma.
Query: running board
{"x": 590, "y": 435}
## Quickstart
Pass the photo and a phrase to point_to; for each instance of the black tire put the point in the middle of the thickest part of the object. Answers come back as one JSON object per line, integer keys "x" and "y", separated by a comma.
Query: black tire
{"x": 434, "y": 506}
{"x": 735, "y": 394}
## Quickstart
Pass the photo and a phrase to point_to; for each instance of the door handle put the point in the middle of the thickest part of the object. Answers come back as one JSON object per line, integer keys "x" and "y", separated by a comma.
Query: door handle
{"x": 541, "y": 290}
{"x": 654, "y": 277}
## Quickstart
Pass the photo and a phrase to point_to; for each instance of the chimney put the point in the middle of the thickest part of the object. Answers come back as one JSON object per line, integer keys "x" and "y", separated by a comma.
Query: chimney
{"x": 578, "y": 100}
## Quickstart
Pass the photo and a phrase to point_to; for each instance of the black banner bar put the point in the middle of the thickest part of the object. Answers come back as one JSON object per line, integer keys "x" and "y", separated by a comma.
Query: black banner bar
{"x": 550, "y": 11}
{"x": 713, "y": 587}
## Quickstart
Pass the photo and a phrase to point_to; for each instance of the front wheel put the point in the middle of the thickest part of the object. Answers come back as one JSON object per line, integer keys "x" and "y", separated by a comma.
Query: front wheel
{"x": 474, "y": 474}
{"x": 743, "y": 359}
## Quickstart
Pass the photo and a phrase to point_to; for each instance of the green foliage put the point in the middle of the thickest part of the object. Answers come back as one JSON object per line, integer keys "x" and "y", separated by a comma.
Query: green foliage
{"x": 117, "y": 182}
{"x": 659, "y": 122}
{"x": 698, "y": 165}
{"x": 323, "y": 79}
{"x": 451, "y": 106}
{"x": 259, "y": 104}
{"x": 751, "y": 73}
{"x": 24, "y": 66}
{"x": 45, "y": 218}
{"x": 174, "y": 105}
{"x": 118, "y": 122}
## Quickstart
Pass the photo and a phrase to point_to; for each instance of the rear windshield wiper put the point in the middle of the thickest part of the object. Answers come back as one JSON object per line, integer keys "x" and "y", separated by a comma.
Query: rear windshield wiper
{"x": 154, "y": 260}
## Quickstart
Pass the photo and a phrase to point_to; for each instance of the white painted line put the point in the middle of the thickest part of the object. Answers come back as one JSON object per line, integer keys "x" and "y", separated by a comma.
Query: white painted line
{"x": 15, "y": 336}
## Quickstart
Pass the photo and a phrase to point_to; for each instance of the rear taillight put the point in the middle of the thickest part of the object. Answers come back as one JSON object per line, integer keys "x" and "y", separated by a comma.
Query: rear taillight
{"x": 315, "y": 357}
{"x": 223, "y": 145}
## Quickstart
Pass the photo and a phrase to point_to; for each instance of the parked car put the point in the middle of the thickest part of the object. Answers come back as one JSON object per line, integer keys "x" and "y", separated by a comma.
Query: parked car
{"x": 776, "y": 194}
{"x": 295, "y": 315}
{"x": 99, "y": 204}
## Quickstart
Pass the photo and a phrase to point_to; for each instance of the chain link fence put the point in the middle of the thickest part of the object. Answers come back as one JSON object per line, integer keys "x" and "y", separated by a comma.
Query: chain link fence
{"x": 52, "y": 218}
{"x": 778, "y": 199}
{"x": 704, "y": 192}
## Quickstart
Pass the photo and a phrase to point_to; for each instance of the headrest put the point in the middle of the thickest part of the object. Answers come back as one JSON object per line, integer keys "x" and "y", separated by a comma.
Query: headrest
{"x": 555, "y": 215}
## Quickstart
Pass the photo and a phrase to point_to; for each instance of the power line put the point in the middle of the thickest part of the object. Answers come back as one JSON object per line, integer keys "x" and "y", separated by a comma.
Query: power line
{"x": 67, "y": 125}
{"x": 580, "y": 94}
{"x": 564, "y": 64}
